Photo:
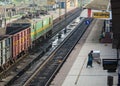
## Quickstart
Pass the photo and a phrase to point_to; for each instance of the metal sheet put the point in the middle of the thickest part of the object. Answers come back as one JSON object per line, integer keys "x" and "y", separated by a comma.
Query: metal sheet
{"x": 0, "y": 54}
{"x": 3, "y": 52}
{"x": 8, "y": 48}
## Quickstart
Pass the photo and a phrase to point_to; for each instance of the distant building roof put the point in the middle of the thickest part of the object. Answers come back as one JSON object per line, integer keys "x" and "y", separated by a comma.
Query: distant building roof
{"x": 98, "y": 5}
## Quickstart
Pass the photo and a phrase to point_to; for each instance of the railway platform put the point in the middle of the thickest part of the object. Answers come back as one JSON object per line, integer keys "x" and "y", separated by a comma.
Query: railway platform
{"x": 74, "y": 71}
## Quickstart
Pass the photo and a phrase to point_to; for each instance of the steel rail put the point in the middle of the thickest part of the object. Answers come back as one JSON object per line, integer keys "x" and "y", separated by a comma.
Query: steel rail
{"x": 47, "y": 82}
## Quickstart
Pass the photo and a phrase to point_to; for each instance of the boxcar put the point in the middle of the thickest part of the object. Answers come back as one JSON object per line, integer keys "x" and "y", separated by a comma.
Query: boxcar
{"x": 20, "y": 38}
{"x": 5, "y": 50}
{"x": 39, "y": 28}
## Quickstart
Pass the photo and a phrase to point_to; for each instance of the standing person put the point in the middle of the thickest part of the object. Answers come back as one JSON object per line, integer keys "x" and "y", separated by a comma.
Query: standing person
{"x": 90, "y": 59}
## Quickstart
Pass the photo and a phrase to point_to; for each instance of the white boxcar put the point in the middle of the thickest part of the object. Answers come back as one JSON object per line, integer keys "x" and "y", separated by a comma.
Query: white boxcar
{"x": 8, "y": 48}
{"x": 5, "y": 49}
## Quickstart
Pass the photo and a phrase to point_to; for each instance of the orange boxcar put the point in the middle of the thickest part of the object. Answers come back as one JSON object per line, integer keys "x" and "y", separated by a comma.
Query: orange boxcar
{"x": 20, "y": 39}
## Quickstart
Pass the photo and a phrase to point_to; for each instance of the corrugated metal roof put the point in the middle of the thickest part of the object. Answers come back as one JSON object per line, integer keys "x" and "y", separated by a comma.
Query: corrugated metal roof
{"x": 98, "y": 5}
{"x": 26, "y": 20}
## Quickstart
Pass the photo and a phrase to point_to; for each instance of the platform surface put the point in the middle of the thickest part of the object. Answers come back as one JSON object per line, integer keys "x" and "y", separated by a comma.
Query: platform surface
{"x": 74, "y": 71}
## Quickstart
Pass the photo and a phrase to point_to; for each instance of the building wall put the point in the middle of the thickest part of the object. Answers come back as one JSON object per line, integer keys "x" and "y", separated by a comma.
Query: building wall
{"x": 76, "y": 3}
{"x": 43, "y": 2}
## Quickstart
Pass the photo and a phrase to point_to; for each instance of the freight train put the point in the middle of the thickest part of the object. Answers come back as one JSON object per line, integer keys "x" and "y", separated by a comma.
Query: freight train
{"x": 22, "y": 35}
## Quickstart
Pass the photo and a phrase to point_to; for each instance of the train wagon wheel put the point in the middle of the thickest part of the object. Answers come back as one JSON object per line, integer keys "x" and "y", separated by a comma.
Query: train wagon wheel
{"x": 6, "y": 65}
{"x": 1, "y": 69}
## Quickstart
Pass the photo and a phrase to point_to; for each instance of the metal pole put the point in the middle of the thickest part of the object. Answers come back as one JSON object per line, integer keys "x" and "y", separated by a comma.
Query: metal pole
{"x": 118, "y": 67}
{"x": 118, "y": 46}
{"x": 81, "y": 5}
{"x": 65, "y": 30}
{"x": 59, "y": 35}
{"x": 59, "y": 11}
{"x": 5, "y": 14}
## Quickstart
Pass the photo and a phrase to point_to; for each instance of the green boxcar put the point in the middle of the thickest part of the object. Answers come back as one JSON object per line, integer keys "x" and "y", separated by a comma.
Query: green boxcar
{"x": 41, "y": 27}
{"x": 36, "y": 27}
{"x": 47, "y": 24}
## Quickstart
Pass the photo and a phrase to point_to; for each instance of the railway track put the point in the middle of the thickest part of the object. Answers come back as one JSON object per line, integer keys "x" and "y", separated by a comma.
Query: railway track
{"x": 58, "y": 26}
{"x": 56, "y": 60}
{"x": 45, "y": 73}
